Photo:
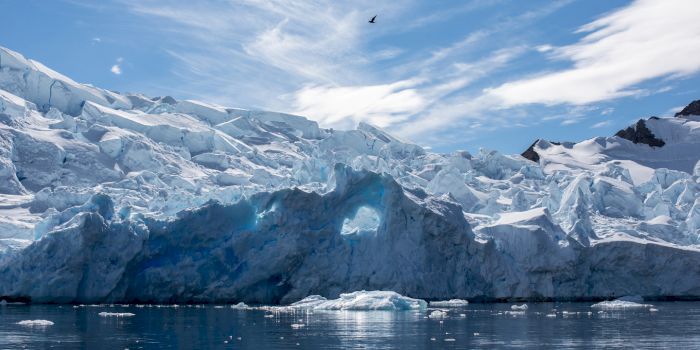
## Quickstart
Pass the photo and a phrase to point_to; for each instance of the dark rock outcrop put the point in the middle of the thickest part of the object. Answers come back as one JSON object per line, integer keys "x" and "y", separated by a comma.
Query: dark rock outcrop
{"x": 639, "y": 133}
{"x": 692, "y": 109}
{"x": 531, "y": 154}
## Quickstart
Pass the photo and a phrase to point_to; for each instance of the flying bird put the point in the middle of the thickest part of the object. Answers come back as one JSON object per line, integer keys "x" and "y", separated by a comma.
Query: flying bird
{"x": 373, "y": 18}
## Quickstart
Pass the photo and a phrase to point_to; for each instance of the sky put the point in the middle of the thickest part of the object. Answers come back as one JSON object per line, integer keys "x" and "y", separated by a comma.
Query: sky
{"x": 446, "y": 74}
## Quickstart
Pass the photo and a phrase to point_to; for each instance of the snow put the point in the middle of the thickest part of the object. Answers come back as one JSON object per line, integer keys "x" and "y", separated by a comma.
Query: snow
{"x": 35, "y": 323}
{"x": 449, "y": 303}
{"x": 109, "y": 197}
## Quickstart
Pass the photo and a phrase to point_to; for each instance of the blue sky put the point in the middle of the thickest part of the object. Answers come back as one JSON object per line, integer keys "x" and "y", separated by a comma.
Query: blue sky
{"x": 445, "y": 74}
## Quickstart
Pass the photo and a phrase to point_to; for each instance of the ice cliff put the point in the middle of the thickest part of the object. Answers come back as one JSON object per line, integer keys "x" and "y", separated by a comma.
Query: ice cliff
{"x": 108, "y": 196}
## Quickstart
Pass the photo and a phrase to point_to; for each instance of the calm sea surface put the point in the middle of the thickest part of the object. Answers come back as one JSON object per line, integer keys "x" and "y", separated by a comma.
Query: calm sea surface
{"x": 676, "y": 325}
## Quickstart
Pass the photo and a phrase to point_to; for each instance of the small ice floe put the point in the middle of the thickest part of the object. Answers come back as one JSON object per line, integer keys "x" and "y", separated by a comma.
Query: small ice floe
{"x": 515, "y": 313}
{"x": 628, "y": 302}
{"x": 449, "y": 303}
{"x": 550, "y": 315}
{"x": 450, "y": 339}
{"x": 298, "y": 325}
{"x": 653, "y": 310}
{"x": 437, "y": 314}
{"x": 362, "y": 301}
{"x": 522, "y": 307}
{"x": 240, "y": 306}
{"x": 35, "y": 323}
{"x": 269, "y": 315}
{"x": 116, "y": 314}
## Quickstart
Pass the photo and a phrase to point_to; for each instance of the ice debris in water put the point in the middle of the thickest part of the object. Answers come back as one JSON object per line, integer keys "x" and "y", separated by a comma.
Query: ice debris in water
{"x": 522, "y": 307}
{"x": 437, "y": 314}
{"x": 35, "y": 323}
{"x": 240, "y": 306}
{"x": 116, "y": 314}
{"x": 628, "y": 302}
{"x": 449, "y": 303}
{"x": 362, "y": 300}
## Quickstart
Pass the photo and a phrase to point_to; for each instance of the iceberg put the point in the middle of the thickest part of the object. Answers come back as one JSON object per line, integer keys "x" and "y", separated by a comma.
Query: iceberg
{"x": 362, "y": 301}
{"x": 116, "y": 314}
{"x": 437, "y": 314}
{"x": 449, "y": 303}
{"x": 629, "y": 302}
{"x": 35, "y": 323}
{"x": 110, "y": 197}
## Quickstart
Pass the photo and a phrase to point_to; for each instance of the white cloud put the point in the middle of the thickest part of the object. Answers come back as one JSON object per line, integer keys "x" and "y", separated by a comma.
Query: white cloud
{"x": 544, "y": 48}
{"x": 344, "y": 107}
{"x": 607, "y": 111}
{"x": 399, "y": 102}
{"x": 601, "y": 124}
{"x": 645, "y": 40}
{"x": 674, "y": 110}
{"x": 116, "y": 68}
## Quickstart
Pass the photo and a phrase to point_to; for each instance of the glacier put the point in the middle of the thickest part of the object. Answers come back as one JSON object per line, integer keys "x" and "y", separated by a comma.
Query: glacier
{"x": 121, "y": 197}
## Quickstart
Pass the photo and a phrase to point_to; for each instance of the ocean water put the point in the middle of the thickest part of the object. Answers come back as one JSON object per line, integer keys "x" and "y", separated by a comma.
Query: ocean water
{"x": 574, "y": 325}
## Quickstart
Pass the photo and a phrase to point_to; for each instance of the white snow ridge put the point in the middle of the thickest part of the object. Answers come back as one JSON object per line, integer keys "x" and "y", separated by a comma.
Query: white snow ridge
{"x": 119, "y": 197}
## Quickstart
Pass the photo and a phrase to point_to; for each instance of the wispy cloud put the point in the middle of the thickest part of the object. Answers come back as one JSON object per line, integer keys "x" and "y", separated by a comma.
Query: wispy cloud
{"x": 645, "y": 40}
{"x": 601, "y": 124}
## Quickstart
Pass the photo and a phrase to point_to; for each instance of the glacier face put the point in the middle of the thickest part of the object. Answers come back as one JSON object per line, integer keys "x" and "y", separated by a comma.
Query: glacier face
{"x": 121, "y": 197}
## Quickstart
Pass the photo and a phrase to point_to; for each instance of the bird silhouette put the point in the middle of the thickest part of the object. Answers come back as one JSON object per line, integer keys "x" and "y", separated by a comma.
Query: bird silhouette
{"x": 373, "y": 18}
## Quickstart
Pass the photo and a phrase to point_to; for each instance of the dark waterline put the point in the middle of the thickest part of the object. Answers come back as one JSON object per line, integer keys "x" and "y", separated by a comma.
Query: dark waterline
{"x": 576, "y": 325}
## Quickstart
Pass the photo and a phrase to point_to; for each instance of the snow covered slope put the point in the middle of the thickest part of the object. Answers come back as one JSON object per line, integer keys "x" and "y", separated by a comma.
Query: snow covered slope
{"x": 107, "y": 196}
{"x": 672, "y": 143}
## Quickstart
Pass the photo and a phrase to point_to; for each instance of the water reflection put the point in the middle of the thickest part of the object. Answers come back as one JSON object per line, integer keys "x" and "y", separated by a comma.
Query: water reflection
{"x": 571, "y": 325}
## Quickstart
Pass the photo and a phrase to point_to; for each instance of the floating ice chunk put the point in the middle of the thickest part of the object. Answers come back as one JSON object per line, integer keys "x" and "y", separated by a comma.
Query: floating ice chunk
{"x": 116, "y": 314}
{"x": 522, "y": 307}
{"x": 298, "y": 325}
{"x": 240, "y": 306}
{"x": 35, "y": 323}
{"x": 449, "y": 303}
{"x": 437, "y": 314}
{"x": 362, "y": 300}
{"x": 309, "y": 302}
{"x": 628, "y": 302}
